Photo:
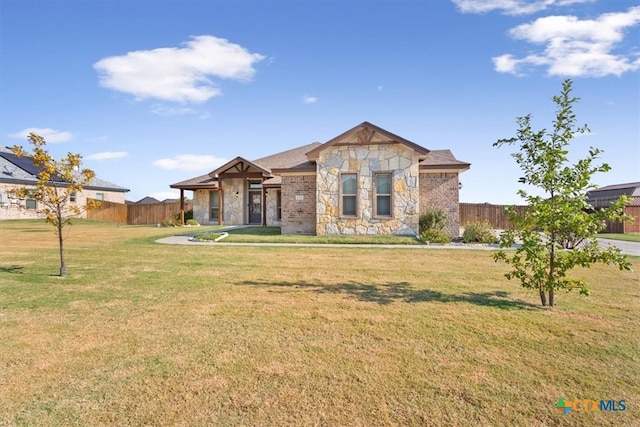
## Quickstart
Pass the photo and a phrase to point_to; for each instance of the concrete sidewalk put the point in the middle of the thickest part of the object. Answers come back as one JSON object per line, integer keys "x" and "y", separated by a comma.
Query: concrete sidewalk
{"x": 628, "y": 248}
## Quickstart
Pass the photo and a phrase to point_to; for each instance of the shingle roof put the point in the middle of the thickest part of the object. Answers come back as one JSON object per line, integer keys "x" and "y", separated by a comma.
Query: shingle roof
{"x": 443, "y": 159}
{"x": 604, "y": 196}
{"x": 287, "y": 159}
{"x": 202, "y": 181}
{"x": 21, "y": 170}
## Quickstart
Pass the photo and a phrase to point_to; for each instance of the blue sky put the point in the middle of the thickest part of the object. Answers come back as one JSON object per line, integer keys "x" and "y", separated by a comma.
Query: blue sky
{"x": 156, "y": 92}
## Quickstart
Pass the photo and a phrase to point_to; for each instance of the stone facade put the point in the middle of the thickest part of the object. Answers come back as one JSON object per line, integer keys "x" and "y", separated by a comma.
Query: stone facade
{"x": 365, "y": 161}
{"x": 16, "y": 209}
{"x": 298, "y": 204}
{"x": 272, "y": 207}
{"x": 440, "y": 191}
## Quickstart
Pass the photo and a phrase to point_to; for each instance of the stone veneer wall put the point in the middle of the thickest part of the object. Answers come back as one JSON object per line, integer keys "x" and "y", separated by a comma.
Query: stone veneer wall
{"x": 232, "y": 206}
{"x": 18, "y": 211}
{"x": 201, "y": 209}
{"x": 440, "y": 191}
{"x": 272, "y": 207}
{"x": 365, "y": 160}
{"x": 298, "y": 204}
{"x": 232, "y": 213}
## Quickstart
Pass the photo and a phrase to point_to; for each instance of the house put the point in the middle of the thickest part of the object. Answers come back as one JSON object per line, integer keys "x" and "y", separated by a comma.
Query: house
{"x": 147, "y": 200}
{"x": 20, "y": 171}
{"x": 364, "y": 181}
{"x": 604, "y": 196}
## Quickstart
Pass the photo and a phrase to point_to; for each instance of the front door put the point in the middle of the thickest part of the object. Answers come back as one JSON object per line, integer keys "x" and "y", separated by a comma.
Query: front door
{"x": 255, "y": 207}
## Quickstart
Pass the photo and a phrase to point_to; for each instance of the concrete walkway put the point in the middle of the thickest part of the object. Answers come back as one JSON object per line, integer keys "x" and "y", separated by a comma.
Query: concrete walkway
{"x": 629, "y": 248}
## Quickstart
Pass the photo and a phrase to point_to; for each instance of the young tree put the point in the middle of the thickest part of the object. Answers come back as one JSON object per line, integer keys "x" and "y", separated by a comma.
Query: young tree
{"x": 56, "y": 182}
{"x": 558, "y": 230}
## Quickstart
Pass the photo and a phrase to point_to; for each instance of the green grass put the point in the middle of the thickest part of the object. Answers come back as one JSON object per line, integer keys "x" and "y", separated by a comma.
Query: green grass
{"x": 141, "y": 333}
{"x": 272, "y": 235}
{"x": 630, "y": 237}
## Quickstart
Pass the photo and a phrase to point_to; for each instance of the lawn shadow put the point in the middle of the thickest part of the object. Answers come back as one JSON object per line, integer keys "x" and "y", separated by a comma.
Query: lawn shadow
{"x": 15, "y": 269}
{"x": 388, "y": 293}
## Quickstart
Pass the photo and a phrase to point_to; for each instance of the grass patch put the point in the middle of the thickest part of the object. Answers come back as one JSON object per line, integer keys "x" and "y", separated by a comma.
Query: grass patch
{"x": 146, "y": 334}
{"x": 272, "y": 235}
{"x": 630, "y": 237}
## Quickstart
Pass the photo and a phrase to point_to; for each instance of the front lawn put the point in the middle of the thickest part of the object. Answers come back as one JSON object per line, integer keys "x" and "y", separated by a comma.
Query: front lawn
{"x": 141, "y": 333}
{"x": 272, "y": 235}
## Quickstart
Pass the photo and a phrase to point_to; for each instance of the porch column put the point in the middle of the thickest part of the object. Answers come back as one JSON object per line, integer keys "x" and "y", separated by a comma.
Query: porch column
{"x": 182, "y": 206}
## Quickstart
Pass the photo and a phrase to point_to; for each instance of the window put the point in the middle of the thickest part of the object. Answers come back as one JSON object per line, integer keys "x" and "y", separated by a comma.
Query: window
{"x": 348, "y": 193}
{"x": 255, "y": 185}
{"x": 72, "y": 197}
{"x": 31, "y": 204}
{"x": 214, "y": 206}
{"x": 99, "y": 196}
{"x": 279, "y": 205}
{"x": 382, "y": 194}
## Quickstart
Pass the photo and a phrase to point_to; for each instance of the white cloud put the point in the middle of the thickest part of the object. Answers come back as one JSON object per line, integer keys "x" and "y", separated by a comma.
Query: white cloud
{"x": 190, "y": 162}
{"x": 575, "y": 47}
{"x": 511, "y": 7}
{"x": 107, "y": 155}
{"x": 309, "y": 99}
{"x": 50, "y": 135}
{"x": 178, "y": 74}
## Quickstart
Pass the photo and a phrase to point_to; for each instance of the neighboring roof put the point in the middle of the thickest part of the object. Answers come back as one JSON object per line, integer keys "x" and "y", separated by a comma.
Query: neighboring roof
{"x": 147, "y": 201}
{"x": 367, "y": 133}
{"x": 443, "y": 159}
{"x": 606, "y": 195}
{"x": 21, "y": 170}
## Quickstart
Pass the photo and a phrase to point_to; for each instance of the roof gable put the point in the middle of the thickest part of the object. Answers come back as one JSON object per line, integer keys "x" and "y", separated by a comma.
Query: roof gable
{"x": 239, "y": 166}
{"x": 365, "y": 134}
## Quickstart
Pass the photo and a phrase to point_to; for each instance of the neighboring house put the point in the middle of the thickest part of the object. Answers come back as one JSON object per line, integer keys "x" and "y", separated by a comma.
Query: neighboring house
{"x": 604, "y": 196}
{"x": 148, "y": 200}
{"x": 20, "y": 171}
{"x": 364, "y": 181}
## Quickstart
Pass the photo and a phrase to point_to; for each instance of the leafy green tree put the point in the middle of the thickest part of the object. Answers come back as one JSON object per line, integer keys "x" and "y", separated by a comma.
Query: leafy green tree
{"x": 57, "y": 182}
{"x": 557, "y": 231}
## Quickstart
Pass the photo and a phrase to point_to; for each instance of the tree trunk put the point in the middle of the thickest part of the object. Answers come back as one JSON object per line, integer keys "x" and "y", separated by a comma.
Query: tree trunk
{"x": 551, "y": 295}
{"x": 543, "y": 297}
{"x": 63, "y": 265}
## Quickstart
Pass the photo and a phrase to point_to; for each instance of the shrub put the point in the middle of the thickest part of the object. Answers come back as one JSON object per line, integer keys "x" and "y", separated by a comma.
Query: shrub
{"x": 192, "y": 222}
{"x": 480, "y": 232}
{"x": 435, "y": 236}
{"x": 433, "y": 220}
{"x": 432, "y": 224}
{"x": 187, "y": 216}
{"x": 170, "y": 222}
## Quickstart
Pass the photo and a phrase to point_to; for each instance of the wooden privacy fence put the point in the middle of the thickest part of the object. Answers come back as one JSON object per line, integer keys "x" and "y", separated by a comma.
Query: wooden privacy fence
{"x": 109, "y": 212}
{"x": 495, "y": 214}
{"x": 627, "y": 226}
{"x": 132, "y": 214}
{"x": 497, "y": 217}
